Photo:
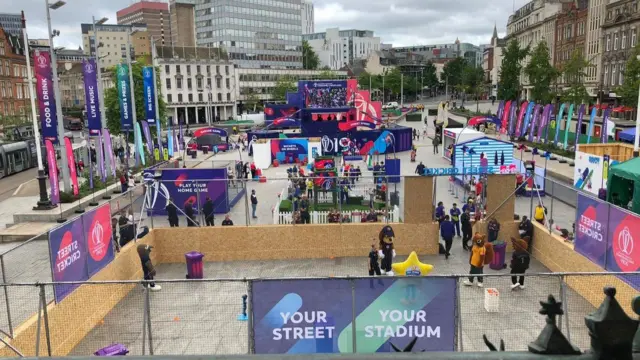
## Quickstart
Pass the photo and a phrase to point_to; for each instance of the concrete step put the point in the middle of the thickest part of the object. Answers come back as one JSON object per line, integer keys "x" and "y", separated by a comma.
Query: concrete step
{"x": 25, "y": 231}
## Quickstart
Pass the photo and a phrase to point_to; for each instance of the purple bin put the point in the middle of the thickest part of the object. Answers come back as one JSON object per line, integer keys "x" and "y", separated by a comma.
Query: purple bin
{"x": 499, "y": 253}
{"x": 195, "y": 267}
{"x": 112, "y": 350}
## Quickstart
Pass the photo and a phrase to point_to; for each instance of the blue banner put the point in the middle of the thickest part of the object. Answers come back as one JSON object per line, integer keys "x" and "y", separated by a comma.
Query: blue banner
{"x": 91, "y": 97}
{"x": 124, "y": 98}
{"x": 149, "y": 94}
{"x": 592, "y": 221}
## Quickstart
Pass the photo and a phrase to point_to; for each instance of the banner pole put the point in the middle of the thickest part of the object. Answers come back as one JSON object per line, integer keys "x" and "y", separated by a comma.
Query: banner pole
{"x": 251, "y": 340}
{"x": 353, "y": 316}
{"x": 144, "y": 318}
{"x": 147, "y": 304}
{"x": 46, "y": 318}
{"x": 458, "y": 318}
{"x": 6, "y": 296}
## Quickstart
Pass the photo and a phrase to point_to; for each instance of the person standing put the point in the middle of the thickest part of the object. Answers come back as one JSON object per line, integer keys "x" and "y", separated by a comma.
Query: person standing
{"x": 455, "y": 218}
{"x": 420, "y": 169}
{"x": 190, "y": 213}
{"x": 207, "y": 209}
{"x": 254, "y": 204}
{"x": 309, "y": 187}
{"x": 440, "y": 212}
{"x": 436, "y": 143}
{"x": 172, "y": 212}
{"x": 467, "y": 229}
{"x": 304, "y": 210}
{"x": 519, "y": 263}
{"x": 447, "y": 232}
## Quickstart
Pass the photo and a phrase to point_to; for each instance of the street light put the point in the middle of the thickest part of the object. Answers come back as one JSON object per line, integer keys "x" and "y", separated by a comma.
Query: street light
{"x": 97, "y": 45}
{"x": 636, "y": 143}
{"x": 56, "y": 90}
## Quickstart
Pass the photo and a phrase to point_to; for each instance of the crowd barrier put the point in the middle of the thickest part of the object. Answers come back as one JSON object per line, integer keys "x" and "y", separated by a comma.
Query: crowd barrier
{"x": 303, "y": 315}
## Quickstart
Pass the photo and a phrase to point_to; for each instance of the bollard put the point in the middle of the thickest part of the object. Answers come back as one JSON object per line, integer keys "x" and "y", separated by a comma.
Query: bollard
{"x": 243, "y": 316}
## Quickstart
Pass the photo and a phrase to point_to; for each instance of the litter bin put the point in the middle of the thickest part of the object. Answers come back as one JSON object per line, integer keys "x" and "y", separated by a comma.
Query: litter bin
{"x": 194, "y": 154}
{"x": 205, "y": 150}
{"x": 499, "y": 253}
{"x": 195, "y": 267}
{"x": 112, "y": 350}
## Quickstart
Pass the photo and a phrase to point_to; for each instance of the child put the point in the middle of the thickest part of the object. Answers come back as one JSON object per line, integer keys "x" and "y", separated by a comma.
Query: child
{"x": 519, "y": 263}
{"x": 374, "y": 266}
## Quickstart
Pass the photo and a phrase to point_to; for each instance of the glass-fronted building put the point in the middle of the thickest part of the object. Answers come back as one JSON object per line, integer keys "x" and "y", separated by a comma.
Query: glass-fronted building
{"x": 255, "y": 33}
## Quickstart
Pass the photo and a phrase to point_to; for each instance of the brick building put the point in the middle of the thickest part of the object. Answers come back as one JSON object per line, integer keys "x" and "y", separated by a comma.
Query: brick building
{"x": 14, "y": 88}
{"x": 571, "y": 33}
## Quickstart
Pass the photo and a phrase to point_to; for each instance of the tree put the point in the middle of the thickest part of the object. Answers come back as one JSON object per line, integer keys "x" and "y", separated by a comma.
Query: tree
{"x": 112, "y": 105}
{"x": 283, "y": 85}
{"x": 541, "y": 74}
{"x": 392, "y": 82}
{"x": 430, "y": 76}
{"x": 452, "y": 71}
{"x": 327, "y": 75}
{"x": 629, "y": 88}
{"x": 253, "y": 101}
{"x": 310, "y": 60}
{"x": 574, "y": 73}
{"x": 509, "y": 84}
{"x": 473, "y": 82}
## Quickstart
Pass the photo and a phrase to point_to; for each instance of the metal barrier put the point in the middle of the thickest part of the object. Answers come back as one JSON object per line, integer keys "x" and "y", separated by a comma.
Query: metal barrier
{"x": 200, "y": 317}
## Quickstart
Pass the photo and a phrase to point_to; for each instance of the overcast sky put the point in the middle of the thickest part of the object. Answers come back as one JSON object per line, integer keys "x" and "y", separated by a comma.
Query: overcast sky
{"x": 399, "y": 22}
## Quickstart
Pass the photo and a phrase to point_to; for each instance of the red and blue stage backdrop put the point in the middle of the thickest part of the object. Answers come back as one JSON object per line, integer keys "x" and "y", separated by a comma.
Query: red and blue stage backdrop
{"x": 287, "y": 150}
{"x": 80, "y": 248}
{"x": 327, "y": 93}
{"x": 278, "y": 113}
{"x": 184, "y": 185}
{"x": 291, "y": 318}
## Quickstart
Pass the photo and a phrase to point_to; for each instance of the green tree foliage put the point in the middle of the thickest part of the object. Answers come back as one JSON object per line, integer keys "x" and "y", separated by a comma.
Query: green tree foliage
{"x": 310, "y": 60}
{"x": 327, "y": 75}
{"x": 252, "y": 100}
{"x": 452, "y": 72}
{"x": 429, "y": 76}
{"x": 283, "y": 85}
{"x": 629, "y": 89}
{"x": 509, "y": 84}
{"x": 473, "y": 82}
{"x": 574, "y": 73}
{"x": 541, "y": 74}
{"x": 112, "y": 106}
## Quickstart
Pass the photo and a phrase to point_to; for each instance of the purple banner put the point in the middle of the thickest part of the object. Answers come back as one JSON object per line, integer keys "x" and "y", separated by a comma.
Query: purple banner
{"x": 592, "y": 219}
{"x": 147, "y": 136}
{"x": 108, "y": 150}
{"x": 67, "y": 247}
{"x": 91, "y": 96}
{"x": 291, "y": 318}
{"x": 624, "y": 241}
{"x": 46, "y": 99}
{"x": 581, "y": 112}
{"x": 534, "y": 121}
{"x": 100, "y": 154}
{"x": 97, "y": 227}
{"x": 189, "y": 185}
{"x": 543, "y": 121}
{"x": 604, "y": 137}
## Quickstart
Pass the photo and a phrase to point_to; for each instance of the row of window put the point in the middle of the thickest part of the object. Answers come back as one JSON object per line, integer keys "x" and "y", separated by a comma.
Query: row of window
{"x": 565, "y": 55}
{"x": 199, "y": 83}
{"x": 618, "y": 11}
{"x": 10, "y": 109}
{"x": 249, "y": 34}
{"x": 297, "y": 27}
{"x": 201, "y": 98}
{"x": 178, "y": 68}
{"x": 19, "y": 71}
{"x": 259, "y": 46}
{"x": 248, "y": 11}
{"x": 617, "y": 44}
{"x": 265, "y": 57}
{"x": 567, "y": 31}
{"x": 613, "y": 74}
{"x": 20, "y": 91}
{"x": 274, "y": 3}
{"x": 276, "y": 77}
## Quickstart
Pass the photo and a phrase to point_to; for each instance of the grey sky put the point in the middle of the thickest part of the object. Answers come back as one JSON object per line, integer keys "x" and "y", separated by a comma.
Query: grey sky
{"x": 400, "y": 22}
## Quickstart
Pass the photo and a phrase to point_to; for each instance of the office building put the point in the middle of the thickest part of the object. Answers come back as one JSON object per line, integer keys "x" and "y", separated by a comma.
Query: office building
{"x": 531, "y": 24}
{"x": 11, "y": 23}
{"x": 155, "y": 14}
{"x": 308, "y": 22}
{"x": 337, "y": 48}
{"x": 114, "y": 42}
{"x": 444, "y": 52}
{"x": 594, "y": 46}
{"x": 620, "y": 34}
{"x": 198, "y": 84}
{"x": 183, "y": 22}
{"x": 14, "y": 88}
{"x": 71, "y": 85}
{"x": 571, "y": 35}
{"x": 255, "y": 33}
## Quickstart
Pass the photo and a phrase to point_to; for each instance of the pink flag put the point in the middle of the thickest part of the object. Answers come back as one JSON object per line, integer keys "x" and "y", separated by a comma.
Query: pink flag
{"x": 72, "y": 166}
{"x": 53, "y": 172}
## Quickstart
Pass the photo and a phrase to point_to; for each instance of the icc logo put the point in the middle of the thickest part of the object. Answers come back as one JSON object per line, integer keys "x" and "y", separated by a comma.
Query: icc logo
{"x": 147, "y": 73}
{"x": 625, "y": 241}
{"x": 97, "y": 239}
{"x": 327, "y": 144}
{"x": 122, "y": 71}
{"x": 88, "y": 68}
{"x": 42, "y": 61}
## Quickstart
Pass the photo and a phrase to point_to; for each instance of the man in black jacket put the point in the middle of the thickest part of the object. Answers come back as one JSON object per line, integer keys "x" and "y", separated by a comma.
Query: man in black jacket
{"x": 526, "y": 231}
{"x": 172, "y": 212}
{"x": 467, "y": 228}
{"x": 188, "y": 210}
{"x": 208, "y": 212}
{"x": 227, "y": 221}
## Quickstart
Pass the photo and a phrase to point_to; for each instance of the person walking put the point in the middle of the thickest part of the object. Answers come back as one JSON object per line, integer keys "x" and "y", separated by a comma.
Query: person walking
{"x": 440, "y": 212}
{"x": 447, "y": 232}
{"x": 467, "y": 229}
{"x": 519, "y": 263}
{"x": 190, "y": 213}
{"x": 436, "y": 143}
{"x": 207, "y": 209}
{"x": 172, "y": 213}
{"x": 455, "y": 218}
{"x": 254, "y": 204}
{"x": 304, "y": 210}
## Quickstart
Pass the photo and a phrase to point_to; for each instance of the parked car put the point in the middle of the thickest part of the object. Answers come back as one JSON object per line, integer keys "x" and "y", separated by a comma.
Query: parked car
{"x": 390, "y": 105}
{"x": 74, "y": 124}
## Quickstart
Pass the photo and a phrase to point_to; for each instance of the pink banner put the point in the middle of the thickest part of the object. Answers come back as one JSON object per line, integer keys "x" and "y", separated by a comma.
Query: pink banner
{"x": 523, "y": 110}
{"x": 72, "y": 166}
{"x": 109, "y": 156}
{"x": 505, "y": 117}
{"x": 53, "y": 172}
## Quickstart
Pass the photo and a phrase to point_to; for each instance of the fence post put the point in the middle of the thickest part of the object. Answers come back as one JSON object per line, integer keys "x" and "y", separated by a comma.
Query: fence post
{"x": 353, "y": 316}
{"x": 250, "y": 334}
{"x": 551, "y": 220}
{"x": 246, "y": 203}
{"x": 43, "y": 299}
{"x": 147, "y": 305}
{"x": 458, "y": 318}
{"x": 6, "y": 295}
{"x": 565, "y": 307}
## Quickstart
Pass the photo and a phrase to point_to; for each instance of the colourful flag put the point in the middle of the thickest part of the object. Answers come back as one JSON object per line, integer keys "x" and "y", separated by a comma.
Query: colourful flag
{"x": 568, "y": 126}
{"x": 44, "y": 92}
{"x": 558, "y": 121}
{"x": 72, "y": 166}
{"x": 581, "y": 112}
{"x": 54, "y": 183}
{"x": 592, "y": 119}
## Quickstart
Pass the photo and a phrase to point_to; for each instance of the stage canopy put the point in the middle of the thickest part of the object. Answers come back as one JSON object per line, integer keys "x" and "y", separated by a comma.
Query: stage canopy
{"x": 624, "y": 181}
{"x": 628, "y": 135}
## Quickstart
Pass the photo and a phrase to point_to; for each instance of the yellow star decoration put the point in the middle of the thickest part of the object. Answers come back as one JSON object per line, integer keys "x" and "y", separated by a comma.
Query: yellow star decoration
{"x": 411, "y": 267}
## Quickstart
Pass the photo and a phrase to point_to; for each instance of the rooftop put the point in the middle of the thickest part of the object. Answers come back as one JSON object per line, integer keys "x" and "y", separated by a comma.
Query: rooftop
{"x": 143, "y": 5}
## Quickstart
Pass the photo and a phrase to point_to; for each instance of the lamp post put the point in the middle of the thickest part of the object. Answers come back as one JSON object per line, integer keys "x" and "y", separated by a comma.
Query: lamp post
{"x": 134, "y": 120}
{"x": 44, "y": 203}
{"x": 56, "y": 88}
{"x": 97, "y": 46}
{"x": 636, "y": 143}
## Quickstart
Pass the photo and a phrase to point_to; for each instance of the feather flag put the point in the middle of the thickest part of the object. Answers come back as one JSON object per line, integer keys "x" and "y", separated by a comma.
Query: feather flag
{"x": 558, "y": 121}
{"x": 516, "y": 125}
{"x": 581, "y": 112}
{"x": 604, "y": 135}
{"x": 535, "y": 118}
{"x": 592, "y": 119}
{"x": 568, "y": 126}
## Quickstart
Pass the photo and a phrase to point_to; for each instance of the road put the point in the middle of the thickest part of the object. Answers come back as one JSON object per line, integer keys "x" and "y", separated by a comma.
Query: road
{"x": 10, "y": 183}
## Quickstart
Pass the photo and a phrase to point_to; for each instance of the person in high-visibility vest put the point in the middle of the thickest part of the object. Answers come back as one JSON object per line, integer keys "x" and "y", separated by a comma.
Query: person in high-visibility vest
{"x": 539, "y": 213}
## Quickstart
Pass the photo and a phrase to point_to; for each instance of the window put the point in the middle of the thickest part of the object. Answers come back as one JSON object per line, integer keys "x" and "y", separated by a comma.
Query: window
{"x": 226, "y": 70}
{"x": 168, "y": 81}
{"x": 218, "y": 83}
{"x": 219, "y": 97}
{"x": 199, "y": 83}
{"x": 200, "y": 99}
{"x": 189, "y": 85}
{"x": 179, "y": 83}
{"x": 208, "y": 83}
{"x": 228, "y": 97}
{"x": 2, "y": 48}
{"x": 178, "y": 69}
{"x": 217, "y": 69}
{"x": 190, "y": 97}
{"x": 624, "y": 40}
{"x": 197, "y": 69}
{"x": 227, "y": 83}
{"x": 188, "y": 69}
{"x": 606, "y": 75}
{"x": 608, "y": 42}
{"x": 167, "y": 69}
{"x": 169, "y": 98}
{"x": 633, "y": 38}
{"x": 621, "y": 75}
{"x": 614, "y": 69}
{"x": 208, "y": 69}
{"x": 615, "y": 41}
{"x": 180, "y": 98}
